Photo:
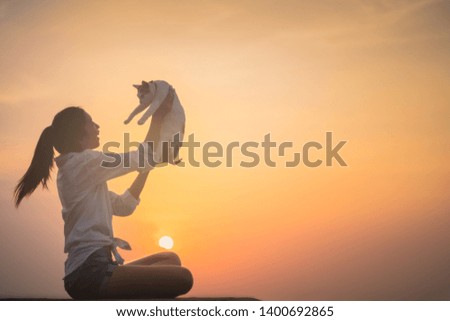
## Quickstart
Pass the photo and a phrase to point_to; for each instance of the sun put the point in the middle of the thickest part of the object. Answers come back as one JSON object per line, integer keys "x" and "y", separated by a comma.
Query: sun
{"x": 166, "y": 242}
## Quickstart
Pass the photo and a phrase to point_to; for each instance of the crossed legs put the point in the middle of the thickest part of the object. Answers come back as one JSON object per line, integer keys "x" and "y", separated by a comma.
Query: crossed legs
{"x": 156, "y": 276}
{"x": 163, "y": 258}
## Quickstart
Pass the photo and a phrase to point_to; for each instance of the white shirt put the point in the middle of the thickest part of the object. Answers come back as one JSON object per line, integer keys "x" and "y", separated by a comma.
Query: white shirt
{"x": 88, "y": 206}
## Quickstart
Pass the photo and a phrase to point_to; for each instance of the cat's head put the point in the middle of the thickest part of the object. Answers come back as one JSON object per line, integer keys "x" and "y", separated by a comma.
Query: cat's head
{"x": 145, "y": 91}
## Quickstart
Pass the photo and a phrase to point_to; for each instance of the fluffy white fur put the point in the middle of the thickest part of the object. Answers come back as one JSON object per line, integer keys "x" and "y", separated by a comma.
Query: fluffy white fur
{"x": 166, "y": 122}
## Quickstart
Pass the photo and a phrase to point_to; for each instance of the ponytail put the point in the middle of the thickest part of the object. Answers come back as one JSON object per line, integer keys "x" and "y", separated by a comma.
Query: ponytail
{"x": 39, "y": 170}
{"x": 64, "y": 135}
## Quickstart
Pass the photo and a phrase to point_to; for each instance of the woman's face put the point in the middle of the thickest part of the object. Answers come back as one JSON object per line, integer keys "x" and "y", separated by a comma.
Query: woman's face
{"x": 90, "y": 139}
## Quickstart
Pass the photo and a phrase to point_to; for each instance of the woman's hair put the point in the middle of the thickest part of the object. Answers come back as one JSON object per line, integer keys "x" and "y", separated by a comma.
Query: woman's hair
{"x": 64, "y": 135}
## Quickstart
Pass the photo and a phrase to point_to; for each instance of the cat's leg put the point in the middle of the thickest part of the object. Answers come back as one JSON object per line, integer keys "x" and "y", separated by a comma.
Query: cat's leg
{"x": 136, "y": 111}
{"x": 169, "y": 145}
{"x": 178, "y": 142}
{"x": 146, "y": 116}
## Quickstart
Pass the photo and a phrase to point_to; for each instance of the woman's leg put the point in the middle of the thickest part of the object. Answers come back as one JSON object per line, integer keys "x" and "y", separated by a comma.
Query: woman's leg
{"x": 163, "y": 258}
{"x": 143, "y": 281}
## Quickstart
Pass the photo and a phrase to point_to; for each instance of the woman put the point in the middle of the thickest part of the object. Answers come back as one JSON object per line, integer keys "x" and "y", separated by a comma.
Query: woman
{"x": 87, "y": 209}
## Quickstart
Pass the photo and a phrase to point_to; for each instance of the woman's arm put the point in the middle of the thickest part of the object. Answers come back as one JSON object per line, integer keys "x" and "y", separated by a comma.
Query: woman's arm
{"x": 138, "y": 184}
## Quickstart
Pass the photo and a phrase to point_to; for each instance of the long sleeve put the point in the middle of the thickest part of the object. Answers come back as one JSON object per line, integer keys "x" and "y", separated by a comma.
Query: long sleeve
{"x": 123, "y": 205}
{"x": 101, "y": 167}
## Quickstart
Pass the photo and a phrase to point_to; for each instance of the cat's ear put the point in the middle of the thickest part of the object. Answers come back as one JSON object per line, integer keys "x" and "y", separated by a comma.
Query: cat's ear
{"x": 137, "y": 86}
{"x": 145, "y": 85}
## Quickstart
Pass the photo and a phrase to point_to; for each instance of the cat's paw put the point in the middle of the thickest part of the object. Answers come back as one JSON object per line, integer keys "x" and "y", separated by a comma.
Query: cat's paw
{"x": 141, "y": 122}
{"x": 126, "y": 121}
{"x": 176, "y": 162}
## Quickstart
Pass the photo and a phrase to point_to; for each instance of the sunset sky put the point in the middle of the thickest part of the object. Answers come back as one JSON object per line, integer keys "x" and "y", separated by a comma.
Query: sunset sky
{"x": 374, "y": 73}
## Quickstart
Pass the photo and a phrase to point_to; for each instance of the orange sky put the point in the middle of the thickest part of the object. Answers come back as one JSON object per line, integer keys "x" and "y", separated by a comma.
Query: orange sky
{"x": 376, "y": 74}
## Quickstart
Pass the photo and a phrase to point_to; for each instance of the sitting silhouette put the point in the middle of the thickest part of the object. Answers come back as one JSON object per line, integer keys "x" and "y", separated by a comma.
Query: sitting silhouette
{"x": 94, "y": 268}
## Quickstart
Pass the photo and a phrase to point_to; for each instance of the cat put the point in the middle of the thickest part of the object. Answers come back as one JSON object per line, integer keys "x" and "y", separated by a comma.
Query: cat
{"x": 167, "y": 123}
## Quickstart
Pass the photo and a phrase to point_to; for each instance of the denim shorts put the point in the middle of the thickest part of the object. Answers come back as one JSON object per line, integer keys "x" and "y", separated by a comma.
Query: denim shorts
{"x": 89, "y": 280}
